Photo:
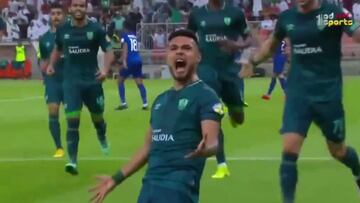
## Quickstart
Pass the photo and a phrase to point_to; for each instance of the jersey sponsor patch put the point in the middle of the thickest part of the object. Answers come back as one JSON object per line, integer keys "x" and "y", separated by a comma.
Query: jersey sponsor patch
{"x": 218, "y": 108}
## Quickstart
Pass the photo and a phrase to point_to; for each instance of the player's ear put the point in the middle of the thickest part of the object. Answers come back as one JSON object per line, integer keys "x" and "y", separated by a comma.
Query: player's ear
{"x": 199, "y": 55}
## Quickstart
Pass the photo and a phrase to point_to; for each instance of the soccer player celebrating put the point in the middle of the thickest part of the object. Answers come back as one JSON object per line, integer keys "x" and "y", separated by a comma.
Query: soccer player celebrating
{"x": 218, "y": 26}
{"x": 175, "y": 147}
{"x": 53, "y": 83}
{"x": 132, "y": 66}
{"x": 79, "y": 41}
{"x": 314, "y": 85}
{"x": 279, "y": 60}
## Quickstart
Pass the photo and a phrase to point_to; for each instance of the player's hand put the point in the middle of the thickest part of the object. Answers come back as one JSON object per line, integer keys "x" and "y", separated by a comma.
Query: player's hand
{"x": 199, "y": 152}
{"x": 228, "y": 46}
{"x": 50, "y": 70}
{"x": 101, "y": 75}
{"x": 247, "y": 70}
{"x": 43, "y": 66}
{"x": 105, "y": 185}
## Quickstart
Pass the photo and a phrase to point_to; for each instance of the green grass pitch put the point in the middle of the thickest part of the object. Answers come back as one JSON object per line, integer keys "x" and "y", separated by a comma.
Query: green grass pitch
{"x": 28, "y": 173}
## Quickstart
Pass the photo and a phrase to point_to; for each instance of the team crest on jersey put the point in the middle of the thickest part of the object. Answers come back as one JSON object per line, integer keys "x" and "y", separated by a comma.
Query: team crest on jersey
{"x": 227, "y": 21}
{"x": 182, "y": 104}
{"x": 47, "y": 44}
{"x": 90, "y": 35}
{"x": 218, "y": 108}
{"x": 290, "y": 27}
{"x": 66, "y": 36}
{"x": 203, "y": 23}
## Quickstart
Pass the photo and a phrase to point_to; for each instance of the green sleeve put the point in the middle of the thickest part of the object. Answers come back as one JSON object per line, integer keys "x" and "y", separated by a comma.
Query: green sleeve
{"x": 350, "y": 28}
{"x": 242, "y": 25}
{"x": 279, "y": 31}
{"x": 152, "y": 107}
{"x": 58, "y": 41}
{"x": 2, "y": 25}
{"x": 104, "y": 40}
{"x": 192, "y": 22}
{"x": 44, "y": 54}
{"x": 211, "y": 107}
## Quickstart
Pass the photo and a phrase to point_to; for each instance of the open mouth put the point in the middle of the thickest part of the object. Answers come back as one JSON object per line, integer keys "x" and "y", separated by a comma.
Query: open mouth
{"x": 180, "y": 65}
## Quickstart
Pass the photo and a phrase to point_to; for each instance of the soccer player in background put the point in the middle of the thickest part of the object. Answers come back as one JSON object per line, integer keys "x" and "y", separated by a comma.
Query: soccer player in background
{"x": 53, "y": 83}
{"x": 184, "y": 125}
{"x": 218, "y": 26}
{"x": 314, "y": 85}
{"x": 2, "y": 28}
{"x": 79, "y": 40}
{"x": 132, "y": 65}
{"x": 279, "y": 60}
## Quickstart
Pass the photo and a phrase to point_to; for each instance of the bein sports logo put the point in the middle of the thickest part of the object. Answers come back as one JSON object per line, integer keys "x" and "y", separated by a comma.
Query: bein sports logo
{"x": 332, "y": 19}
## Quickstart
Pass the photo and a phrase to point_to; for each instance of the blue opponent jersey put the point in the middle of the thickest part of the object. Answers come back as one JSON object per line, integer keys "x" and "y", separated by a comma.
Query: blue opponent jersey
{"x": 281, "y": 48}
{"x": 132, "y": 46}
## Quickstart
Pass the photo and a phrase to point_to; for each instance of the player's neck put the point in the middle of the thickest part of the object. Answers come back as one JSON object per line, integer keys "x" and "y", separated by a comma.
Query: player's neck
{"x": 53, "y": 29}
{"x": 216, "y": 5}
{"x": 80, "y": 23}
{"x": 310, "y": 7}
{"x": 178, "y": 85}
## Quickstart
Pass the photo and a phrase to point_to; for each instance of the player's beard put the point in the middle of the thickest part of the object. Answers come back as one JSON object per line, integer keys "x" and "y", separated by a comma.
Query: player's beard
{"x": 55, "y": 22}
{"x": 79, "y": 17}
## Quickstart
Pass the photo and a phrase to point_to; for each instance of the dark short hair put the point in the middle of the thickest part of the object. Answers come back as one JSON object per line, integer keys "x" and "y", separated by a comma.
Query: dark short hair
{"x": 183, "y": 33}
{"x": 56, "y": 6}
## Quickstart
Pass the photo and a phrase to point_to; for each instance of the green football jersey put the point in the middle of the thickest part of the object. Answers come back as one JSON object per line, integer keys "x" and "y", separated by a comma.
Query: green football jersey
{"x": 315, "y": 71}
{"x": 80, "y": 46}
{"x": 176, "y": 117}
{"x": 213, "y": 26}
{"x": 2, "y": 25}
{"x": 46, "y": 46}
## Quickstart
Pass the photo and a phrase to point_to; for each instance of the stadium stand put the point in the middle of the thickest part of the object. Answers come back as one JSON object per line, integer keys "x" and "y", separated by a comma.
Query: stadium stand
{"x": 153, "y": 20}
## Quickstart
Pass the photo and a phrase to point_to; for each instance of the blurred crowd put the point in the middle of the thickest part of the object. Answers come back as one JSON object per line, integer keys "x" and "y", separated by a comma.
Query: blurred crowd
{"x": 29, "y": 19}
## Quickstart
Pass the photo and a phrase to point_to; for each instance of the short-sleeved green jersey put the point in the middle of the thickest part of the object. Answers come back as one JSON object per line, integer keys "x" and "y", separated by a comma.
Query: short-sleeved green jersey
{"x": 213, "y": 26}
{"x": 80, "y": 46}
{"x": 176, "y": 117}
{"x": 2, "y": 25}
{"x": 46, "y": 46}
{"x": 315, "y": 71}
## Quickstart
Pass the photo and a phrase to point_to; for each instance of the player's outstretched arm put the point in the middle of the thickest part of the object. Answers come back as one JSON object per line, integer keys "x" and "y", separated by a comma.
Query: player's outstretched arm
{"x": 108, "y": 183}
{"x": 356, "y": 35}
{"x": 209, "y": 143}
{"x": 44, "y": 63}
{"x": 108, "y": 59}
{"x": 124, "y": 54}
{"x": 54, "y": 57}
{"x": 266, "y": 50}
